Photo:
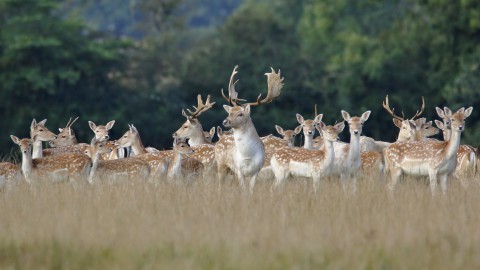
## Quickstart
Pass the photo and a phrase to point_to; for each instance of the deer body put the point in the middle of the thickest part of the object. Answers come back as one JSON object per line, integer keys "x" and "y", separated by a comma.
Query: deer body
{"x": 314, "y": 164}
{"x": 9, "y": 173}
{"x": 432, "y": 159}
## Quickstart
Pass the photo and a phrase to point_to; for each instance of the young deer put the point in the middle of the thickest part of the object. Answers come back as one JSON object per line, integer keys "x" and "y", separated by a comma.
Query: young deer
{"x": 175, "y": 169}
{"x": 308, "y": 127}
{"x": 66, "y": 142}
{"x": 100, "y": 131}
{"x": 126, "y": 169}
{"x": 39, "y": 133}
{"x": 314, "y": 164}
{"x": 245, "y": 154}
{"x": 209, "y": 135}
{"x": 466, "y": 155}
{"x": 68, "y": 167}
{"x": 289, "y": 135}
{"x": 192, "y": 129}
{"x": 435, "y": 159}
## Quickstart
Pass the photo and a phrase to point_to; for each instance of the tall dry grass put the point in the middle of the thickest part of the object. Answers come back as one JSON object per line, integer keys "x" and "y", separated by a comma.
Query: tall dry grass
{"x": 207, "y": 225}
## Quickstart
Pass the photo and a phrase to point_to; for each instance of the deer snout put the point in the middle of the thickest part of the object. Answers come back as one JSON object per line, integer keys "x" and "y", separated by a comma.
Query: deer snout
{"x": 310, "y": 132}
{"x": 226, "y": 123}
{"x": 460, "y": 128}
{"x": 355, "y": 132}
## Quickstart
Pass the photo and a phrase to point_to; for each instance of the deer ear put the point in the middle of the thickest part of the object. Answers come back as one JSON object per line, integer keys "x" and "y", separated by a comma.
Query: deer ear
{"x": 247, "y": 109}
{"x": 412, "y": 124}
{"x": 397, "y": 122}
{"x": 92, "y": 125}
{"x": 212, "y": 131}
{"x": 279, "y": 130}
{"x": 227, "y": 108}
{"x": 300, "y": 118}
{"x": 110, "y": 124}
{"x": 318, "y": 118}
{"x": 43, "y": 122}
{"x": 448, "y": 112}
{"x": 60, "y": 129}
{"x": 33, "y": 124}
{"x": 439, "y": 124}
{"x": 320, "y": 127}
{"x": 346, "y": 115}
{"x": 299, "y": 129}
{"x": 340, "y": 126}
{"x": 440, "y": 112}
{"x": 366, "y": 115}
{"x": 468, "y": 112}
{"x": 15, "y": 139}
{"x": 219, "y": 131}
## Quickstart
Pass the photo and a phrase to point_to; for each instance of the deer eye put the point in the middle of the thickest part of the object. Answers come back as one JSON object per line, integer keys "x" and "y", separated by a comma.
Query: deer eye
{"x": 40, "y": 130}
{"x": 63, "y": 136}
{"x": 240, "y": 114}
{"x": 125, "y": 136}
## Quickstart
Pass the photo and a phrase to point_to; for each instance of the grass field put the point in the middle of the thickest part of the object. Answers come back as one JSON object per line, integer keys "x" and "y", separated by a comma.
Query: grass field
{"x": 204, "y": 225}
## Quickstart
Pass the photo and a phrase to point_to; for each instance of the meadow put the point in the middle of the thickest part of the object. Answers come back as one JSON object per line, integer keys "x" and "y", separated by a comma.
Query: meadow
{"x": 204, "y": 224}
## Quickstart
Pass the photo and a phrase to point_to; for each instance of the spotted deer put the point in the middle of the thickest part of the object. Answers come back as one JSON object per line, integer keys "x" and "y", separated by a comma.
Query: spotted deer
{"x": 433, "y": 159}
{"x": 157, "y": 160}
{"x": 66, "y": 142}
{"x": 315, "y": 164}
{"x": 192, "y": 129}
{"x": 39, "y": 133}
{"x": 123, "y": 169}
{"x": 245, "y": 154}
{"x": 407, "y": 126}
{"x": 65, "y": 167}
{"x": 209, "y": 135}
{"x": 9, "y": 174}
{"x": 466, "y": 155}
{"x": 308, "y": 127}
{"x": 101, "y": 131}
{"x": 181, "y": 151}
{"x": 289, "y": 135}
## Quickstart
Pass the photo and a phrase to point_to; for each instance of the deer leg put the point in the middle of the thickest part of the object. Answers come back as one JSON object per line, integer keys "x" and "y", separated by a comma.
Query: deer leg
{"x": 432, "y": 175}
{"x": 280, "y": 175}
{"x": 316, "y": 181}
{"x": 395, "y": 174}
{"x": 443, "y": 182}
{"x": 252, "y": 182}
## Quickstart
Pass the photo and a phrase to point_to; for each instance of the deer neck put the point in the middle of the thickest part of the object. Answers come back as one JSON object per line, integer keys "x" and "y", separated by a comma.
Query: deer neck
{"x": 27, "y": 165}
{"x": 175, "y": 166}
{"x": 308, "y": 142}
{"x": 37, "y": 151}
{"x": 447, "y": 133}
{"x": 329, "y": 153}
{"x": 197, "y": 138}
{"x": 246, "y": 139}
{"x": 453, "y": 144}
{"x": 93, "y": 170}
{"x": 137, "y": 146}
{"x": 353, "y": 159}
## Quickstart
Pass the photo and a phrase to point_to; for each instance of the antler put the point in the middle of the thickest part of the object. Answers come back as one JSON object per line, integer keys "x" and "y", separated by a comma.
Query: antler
{"x": 201, "y": 108}
{"x": 418, "y": 113}
{"x": 69, "y": 125}
{"x": 274, "y": 82}
{"x": 386, "y": 106}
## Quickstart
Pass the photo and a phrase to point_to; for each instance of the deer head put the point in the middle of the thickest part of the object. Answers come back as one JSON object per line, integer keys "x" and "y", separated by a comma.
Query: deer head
{"x": 101, "y": 132}
{"x": 38, "y": 131}
{"x": 66, "y": 136}
{"x": 289, "y": 135}
{"x": 407, "y": 126}
{"x": 192, "y": 127}
{"x": 209, "y": 135}
{"x": 355, "y": 123}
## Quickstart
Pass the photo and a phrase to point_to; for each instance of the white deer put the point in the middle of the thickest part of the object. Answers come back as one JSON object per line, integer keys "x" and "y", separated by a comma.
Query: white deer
{"x": 245, "y": 154}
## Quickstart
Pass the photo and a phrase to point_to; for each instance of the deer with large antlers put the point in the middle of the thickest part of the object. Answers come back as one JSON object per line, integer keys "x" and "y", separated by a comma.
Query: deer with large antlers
{"x": 245, "y": 155}
{"x": 65, "y": 167}
{"x": 466, "y": 155}
{"x": 192, "y": 129}
{"x": 315, "y": 164}
{"x": 431, "y": 158}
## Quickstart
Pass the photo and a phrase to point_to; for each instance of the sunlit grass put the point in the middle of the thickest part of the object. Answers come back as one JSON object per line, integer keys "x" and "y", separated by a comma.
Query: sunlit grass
{"x": 211, "y": 225}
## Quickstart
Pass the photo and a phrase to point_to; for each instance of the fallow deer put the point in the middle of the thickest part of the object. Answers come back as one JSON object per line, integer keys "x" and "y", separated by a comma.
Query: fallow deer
{"x": 192, "y": 129}
{"x": 407, "y": 126}
{"x": 69, "y": 167}
{"x": 39, "y": 133}
{"x": 209, "y": 135}
{"x": 245, "y": 154}
{"x": 309, "y": 127}
{"x": 66, "y": 142}
{"x": 289, "y": 135}
{"x": 181, "y": 150}
{"x": 9, "y": 174}
{"x": 123, "y": 169}
{"x": 314, "y": 164}
{"x": 432, "y": 159}
{"x": 101, "y": 131}
{"x": 466, "y": 155}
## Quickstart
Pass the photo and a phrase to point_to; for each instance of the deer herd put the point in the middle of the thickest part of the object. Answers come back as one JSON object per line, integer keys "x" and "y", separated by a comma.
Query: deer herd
{"x": 242, "y": 152}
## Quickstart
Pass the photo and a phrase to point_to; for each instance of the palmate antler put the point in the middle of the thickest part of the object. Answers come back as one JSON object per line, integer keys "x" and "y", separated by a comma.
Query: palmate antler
{"x": 386, "y": 106}
{"x": 274, "y": 82}
{"x": 201, "y": 108}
